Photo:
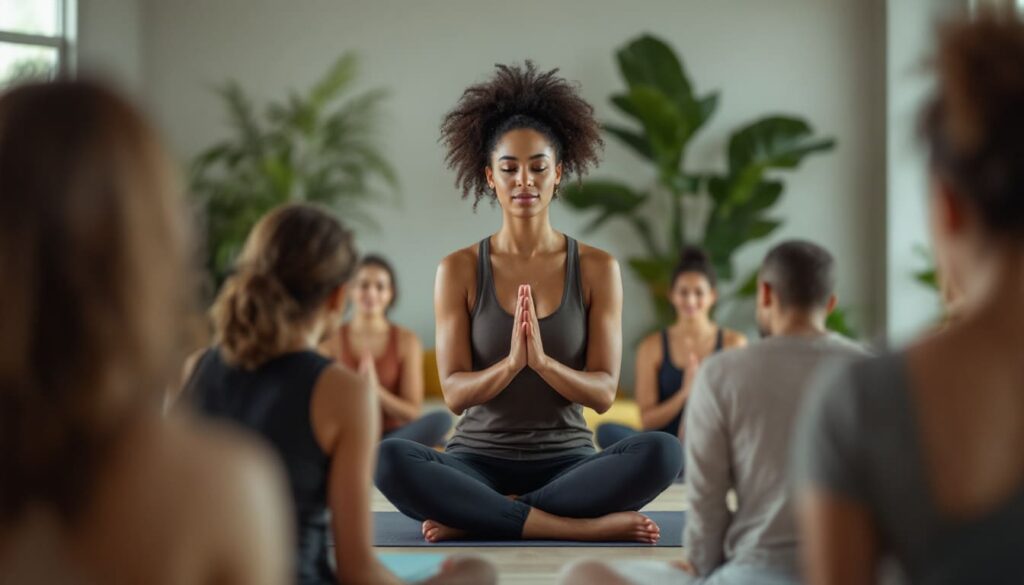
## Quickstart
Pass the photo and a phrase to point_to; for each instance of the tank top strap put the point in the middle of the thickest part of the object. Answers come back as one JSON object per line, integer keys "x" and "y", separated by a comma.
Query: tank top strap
{"x": 573, "y": 276}
{"x": 719, "y": 340}
{"x": 665, "y": 349}
{"x": 484, "y": 279}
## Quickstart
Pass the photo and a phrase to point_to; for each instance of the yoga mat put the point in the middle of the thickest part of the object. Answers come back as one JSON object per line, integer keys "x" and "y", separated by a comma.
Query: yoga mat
{"x": 397, "y": 529}
{"x": 410, "y": 567}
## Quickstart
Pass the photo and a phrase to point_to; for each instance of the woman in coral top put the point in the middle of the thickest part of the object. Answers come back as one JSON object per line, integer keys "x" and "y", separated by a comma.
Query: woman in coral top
{"x": 392, "y": 355}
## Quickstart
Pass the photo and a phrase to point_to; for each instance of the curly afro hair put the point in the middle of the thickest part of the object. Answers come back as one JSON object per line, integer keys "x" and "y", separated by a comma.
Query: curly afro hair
{"x": 518, "y": 97}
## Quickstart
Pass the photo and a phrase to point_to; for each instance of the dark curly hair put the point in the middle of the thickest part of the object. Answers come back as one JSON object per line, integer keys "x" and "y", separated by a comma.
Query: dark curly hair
{"x": 518, "y": 97}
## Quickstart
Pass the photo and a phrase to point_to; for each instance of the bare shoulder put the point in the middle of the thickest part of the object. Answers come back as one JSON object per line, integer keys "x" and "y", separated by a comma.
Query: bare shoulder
{"x": 214, "y": 457}
{"x": 460, "y": 263}
{"x": 408, "y": 341}
{"x": 597, "y": 261}
{"x": 732, "y": 339}
{"x": 649, "y": 349}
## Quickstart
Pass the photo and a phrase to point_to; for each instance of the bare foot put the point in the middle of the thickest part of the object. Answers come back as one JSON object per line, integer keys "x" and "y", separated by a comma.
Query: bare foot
{"x": 436, "y": 532}
{"x": 630, "y": 526}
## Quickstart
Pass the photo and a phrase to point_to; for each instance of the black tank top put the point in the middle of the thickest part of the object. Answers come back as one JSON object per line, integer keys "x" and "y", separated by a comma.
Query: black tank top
{"x": 528, "y": 419}
{"x": 273, "y": 401}
{"x": 670, "y": 378}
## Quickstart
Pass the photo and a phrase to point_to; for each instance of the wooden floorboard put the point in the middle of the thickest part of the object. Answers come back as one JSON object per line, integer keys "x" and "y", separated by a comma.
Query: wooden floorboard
{"x": 540, "y": 566}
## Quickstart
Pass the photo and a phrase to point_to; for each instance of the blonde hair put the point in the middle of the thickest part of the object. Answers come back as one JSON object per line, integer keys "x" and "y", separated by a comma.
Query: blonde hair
{"x": 295, "y": 257}
{"x": 92, "y": 258}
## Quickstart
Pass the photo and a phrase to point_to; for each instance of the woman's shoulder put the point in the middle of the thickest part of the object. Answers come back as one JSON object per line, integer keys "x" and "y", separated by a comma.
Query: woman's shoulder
{"x": 216, "y": 461}
{"x": 459, "y": 265}
{"x": 732, "y": 338}
{"x": 407, "y": 339}
{"x": 595, "y": 256}
{"x": 650, "y": 347}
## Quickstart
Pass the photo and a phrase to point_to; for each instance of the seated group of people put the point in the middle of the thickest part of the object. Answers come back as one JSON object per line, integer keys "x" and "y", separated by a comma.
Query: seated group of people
{"x": 836, "y": 461}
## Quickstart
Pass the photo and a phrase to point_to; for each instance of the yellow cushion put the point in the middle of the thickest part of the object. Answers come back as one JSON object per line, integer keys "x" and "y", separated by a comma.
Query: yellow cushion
{"x": 431, "y": 379}
{"x": 623, "y": 411}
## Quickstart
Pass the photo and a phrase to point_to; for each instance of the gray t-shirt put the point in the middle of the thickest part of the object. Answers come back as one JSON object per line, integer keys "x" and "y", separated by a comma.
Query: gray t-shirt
{"x": 858, "y": 438}
{"x": 739, "y": 422}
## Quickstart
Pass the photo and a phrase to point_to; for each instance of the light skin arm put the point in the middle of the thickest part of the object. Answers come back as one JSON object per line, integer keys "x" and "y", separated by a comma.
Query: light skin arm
{"x": 346, "y": 425}
{"x": 654, "y": 414}
{"x": 840, "y": 544}
{"x": 462, "y": 387}
{"x": 406, "y": 405}
{"x": 595, "y": 386}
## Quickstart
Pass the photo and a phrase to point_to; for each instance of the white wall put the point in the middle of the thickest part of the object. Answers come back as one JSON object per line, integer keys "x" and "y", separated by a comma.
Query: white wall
{"x": 822, "y": 60}
{"x": 109, "y": 42}
{"x": 910, "y": 30}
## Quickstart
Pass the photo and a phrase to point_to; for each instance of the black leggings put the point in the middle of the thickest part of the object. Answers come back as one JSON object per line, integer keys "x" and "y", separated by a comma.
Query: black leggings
{"x": 468, "y": 491}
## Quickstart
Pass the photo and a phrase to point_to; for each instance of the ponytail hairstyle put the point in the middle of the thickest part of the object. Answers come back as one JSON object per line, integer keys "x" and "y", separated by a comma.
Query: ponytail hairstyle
{"x": 695, "y": 259}
{"x": 974, "y": 125}
{"x": 294, "y": 258}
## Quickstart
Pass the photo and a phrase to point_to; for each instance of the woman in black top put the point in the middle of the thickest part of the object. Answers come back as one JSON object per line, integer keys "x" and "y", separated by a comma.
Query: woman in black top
{"x": 264, "y": 373}
{"x": 528, "y": 333}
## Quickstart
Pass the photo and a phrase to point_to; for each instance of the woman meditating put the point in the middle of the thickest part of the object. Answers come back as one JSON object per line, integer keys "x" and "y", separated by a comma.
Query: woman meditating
{"x": 528, "y": 333}
{"x": 662, "y": 387}
{"x": 389, "y": 355}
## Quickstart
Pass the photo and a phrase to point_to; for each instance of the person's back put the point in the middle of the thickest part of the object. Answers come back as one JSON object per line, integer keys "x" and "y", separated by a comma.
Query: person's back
{"x": 740, "y": 421}
{"x": 178, "y": 503}
{"x": 915, "y": 457}
{"x": 97, "y": 486}
{"x": 275, "y": 400}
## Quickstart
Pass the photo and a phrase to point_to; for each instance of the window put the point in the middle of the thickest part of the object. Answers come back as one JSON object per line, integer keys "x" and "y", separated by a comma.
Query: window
{"x": 35, "y": 39}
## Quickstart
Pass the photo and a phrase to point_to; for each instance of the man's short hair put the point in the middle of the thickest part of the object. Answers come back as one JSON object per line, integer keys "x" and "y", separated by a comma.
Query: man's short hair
{"x": 801, "y": 273}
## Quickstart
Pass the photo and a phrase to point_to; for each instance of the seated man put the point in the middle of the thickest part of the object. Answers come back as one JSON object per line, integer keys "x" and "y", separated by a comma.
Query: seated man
{"x": 738, "y": 427}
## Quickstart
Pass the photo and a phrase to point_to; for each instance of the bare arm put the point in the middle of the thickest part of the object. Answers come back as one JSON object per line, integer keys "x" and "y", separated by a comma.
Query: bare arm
{"x": 654, "y": 414}
{"x": 405, "y": 406}
{"x": 840, "y": 546}
{"x": 462, "y": 386}
{"x": 346, "y": 425}
{"x": 595, "y": 386}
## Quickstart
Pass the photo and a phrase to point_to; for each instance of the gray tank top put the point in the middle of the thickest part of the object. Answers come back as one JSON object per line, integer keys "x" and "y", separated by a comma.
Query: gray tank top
{"x": 528, "y": 419}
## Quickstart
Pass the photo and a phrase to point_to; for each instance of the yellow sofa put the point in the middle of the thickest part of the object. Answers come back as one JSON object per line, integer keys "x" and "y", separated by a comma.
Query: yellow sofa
{"x": 623, "y": 411}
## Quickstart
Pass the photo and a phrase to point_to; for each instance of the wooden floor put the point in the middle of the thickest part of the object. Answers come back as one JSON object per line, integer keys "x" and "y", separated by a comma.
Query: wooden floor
{"x": 540, "y": 566}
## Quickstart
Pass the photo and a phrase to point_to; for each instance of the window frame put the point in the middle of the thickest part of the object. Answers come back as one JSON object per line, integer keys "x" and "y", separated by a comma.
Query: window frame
{"x": 63, "y": 41}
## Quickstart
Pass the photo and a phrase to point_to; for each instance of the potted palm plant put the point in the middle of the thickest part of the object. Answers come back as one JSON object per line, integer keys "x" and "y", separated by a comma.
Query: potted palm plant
{"x": 312, "y": 146}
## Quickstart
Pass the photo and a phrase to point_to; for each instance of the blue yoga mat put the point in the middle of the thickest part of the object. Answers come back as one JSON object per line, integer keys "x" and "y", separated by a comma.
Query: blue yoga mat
{"x": 412, "y": 567}
{"x": 397, "y": 529}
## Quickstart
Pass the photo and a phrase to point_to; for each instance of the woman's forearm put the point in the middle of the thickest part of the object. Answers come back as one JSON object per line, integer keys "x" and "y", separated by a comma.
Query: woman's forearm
{"x": 659, "y": 415}
{"x": 594, "y": 390}
{"x": 396, "y": 407}
{"x": 465, "y": 389}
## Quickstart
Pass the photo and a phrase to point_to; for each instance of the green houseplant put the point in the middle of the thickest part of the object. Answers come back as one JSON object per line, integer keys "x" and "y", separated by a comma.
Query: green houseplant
{"x": 314, "y": 146}
{"x": 667, "y": 114}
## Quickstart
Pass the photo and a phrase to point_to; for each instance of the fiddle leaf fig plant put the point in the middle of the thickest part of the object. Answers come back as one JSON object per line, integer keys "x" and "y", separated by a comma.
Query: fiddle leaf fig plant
{"x": 666, "y": 114}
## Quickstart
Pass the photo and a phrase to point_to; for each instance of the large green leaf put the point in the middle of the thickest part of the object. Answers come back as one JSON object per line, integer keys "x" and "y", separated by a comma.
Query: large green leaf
{"x": 664, "y": 126}
{"x": 774, "y": 142}
{"x": 610, "y": 195}
{"x": 636, "y": 141}
{"x": 649, "y": 62}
